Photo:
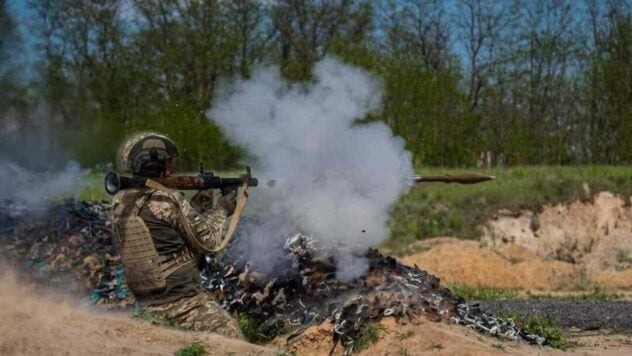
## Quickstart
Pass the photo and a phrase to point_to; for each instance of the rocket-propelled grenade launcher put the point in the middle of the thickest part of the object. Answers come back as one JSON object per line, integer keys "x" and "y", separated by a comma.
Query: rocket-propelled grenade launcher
{"x": 465, "y": 178}
{"x": 206, "y": 180}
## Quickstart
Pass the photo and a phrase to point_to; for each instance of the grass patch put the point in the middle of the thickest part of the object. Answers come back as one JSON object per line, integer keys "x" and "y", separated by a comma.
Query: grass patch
{"x": 483, "y": 293}
{"x": 542, "y": 326}
{"x": 596, "y": 295}
{"x": 156, "y": 319}
{"x": 254, "y": 331}
{"x": 547, "y": 328}
{"x": 368, "y": 335}
{"x": 437, "y": 209}
{"x": 194, "y": 349}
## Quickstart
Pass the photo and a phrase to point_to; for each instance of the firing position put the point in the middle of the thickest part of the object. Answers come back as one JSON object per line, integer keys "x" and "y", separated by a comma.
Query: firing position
{"x": 159, "y": 235}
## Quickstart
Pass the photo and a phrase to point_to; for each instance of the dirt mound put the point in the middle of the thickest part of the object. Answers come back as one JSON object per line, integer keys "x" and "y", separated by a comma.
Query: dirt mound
{"x": 32, "y": 323}
{"x": 458, "y": 261}
{"x": 427, "y": 337}
{"x": 423, "y": 337}
{"x": 573, "y": 246}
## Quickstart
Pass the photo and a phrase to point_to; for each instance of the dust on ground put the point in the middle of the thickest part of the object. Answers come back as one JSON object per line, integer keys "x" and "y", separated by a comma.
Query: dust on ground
{"x": 428, "y": 337}
{"x": 34, "y": 322}
{"x": 565, "y": 247}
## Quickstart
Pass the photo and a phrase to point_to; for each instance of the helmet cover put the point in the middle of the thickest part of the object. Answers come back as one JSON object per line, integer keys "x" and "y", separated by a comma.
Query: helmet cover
{"x": 144, "y": 150}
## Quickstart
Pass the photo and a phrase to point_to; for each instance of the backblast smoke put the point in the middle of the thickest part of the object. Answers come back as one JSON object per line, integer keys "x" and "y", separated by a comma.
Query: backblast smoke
{"x": 34, "y": 167}
{"x": 327, "y": 175}
{"x": 34, "y": 189}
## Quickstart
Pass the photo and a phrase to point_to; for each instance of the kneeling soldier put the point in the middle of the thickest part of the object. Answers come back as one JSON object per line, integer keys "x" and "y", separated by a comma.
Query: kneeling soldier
{"x": 159, "y": 233}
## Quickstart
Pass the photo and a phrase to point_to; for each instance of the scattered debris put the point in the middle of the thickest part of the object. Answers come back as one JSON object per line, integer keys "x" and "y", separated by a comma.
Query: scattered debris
{"x": 72, "y": 247}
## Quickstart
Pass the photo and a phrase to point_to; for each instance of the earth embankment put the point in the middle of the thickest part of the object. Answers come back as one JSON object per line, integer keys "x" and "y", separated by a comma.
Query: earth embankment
{"x": 575, "y": 246}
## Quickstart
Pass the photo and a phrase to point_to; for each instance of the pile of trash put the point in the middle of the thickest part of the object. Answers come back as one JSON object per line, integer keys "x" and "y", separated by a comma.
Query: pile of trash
{"x": 72, "y": 248}
{"x": 307, "y": 292}
{"x": 69, "y": 246}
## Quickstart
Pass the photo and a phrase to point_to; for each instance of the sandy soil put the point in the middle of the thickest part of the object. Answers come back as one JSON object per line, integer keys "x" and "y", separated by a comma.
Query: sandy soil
{"x": 34, "y": 323}
{"x": 427, "y": 337}
{"x": 566, "y": 247}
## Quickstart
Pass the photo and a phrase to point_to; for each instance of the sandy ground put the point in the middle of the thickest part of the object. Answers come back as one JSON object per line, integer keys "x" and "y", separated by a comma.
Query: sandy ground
{"x": 433, "y": 338}
{"x": 34, "y": 323}
{"x": 567, "y": 247}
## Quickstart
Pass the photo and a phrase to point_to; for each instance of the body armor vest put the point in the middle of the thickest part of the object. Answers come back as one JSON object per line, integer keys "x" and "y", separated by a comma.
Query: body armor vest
{"x": 145, "y": 270}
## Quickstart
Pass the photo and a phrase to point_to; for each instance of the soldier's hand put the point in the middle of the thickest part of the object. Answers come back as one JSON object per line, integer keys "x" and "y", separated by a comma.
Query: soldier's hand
{"x": 229, "y": 189}
{"x": 202, "y": 200}
{"x": 228, "y": 202}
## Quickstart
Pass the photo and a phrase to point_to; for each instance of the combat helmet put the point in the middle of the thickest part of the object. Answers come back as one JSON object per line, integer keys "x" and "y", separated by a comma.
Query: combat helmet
{"x": 145, "y": 154}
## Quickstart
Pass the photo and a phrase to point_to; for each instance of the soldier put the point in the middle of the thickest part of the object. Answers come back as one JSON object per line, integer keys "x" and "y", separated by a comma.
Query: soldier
{"x": 159, "y": 234}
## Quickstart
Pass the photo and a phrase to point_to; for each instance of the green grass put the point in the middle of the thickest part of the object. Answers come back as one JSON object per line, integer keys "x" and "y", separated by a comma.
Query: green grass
{"x": 483, "y": 293}
{"x": 471, "y": 293}
{"x": 438, "y": 209}
{"x": 543, "y": 326}
{"x": 368, "y": 335}
{"x": 93, "y": 187}
{"x": 596, "y": 295}
{"x": 194, "y": 349}
{"x": 156, "y": 319}
{"x": 251, "y": 328}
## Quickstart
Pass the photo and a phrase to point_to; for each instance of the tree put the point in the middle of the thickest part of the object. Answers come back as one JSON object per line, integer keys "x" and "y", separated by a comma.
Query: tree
{"x": 306, "y": 30}
{"x": 611, "y": 93}
{"x": 11, "y": 91}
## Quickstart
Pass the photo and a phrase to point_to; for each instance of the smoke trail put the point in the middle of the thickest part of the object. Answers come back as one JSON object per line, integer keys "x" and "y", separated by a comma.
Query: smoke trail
{"x": 327, "y": 176}
{"x": 36, "y": 189}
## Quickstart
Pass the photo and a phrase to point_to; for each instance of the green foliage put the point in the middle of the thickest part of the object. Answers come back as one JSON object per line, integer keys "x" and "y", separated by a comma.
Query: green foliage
{"x": 156, "y": 319}
{"x": 609, "y": 81}
{"x": 471, "y": 293}
{"x": 255, "y": 332}
{"x": 423, "y": 107}
{"x": 457, "y": 210}
{"x": 367, "y": 335}
{"x": 194, "y": 349}
{"x": 530, "y": 89}
{"x": 596, "y": 295}
{"x": 543, "y": 326}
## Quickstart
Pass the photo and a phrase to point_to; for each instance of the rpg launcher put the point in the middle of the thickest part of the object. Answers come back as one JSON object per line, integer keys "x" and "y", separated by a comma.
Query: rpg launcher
{"x": 206, "y": 180}
{"x": 465, "y": 178}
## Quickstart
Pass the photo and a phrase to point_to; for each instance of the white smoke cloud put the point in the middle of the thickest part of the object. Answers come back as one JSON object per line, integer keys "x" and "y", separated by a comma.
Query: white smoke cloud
{"x": 36, "y": 189}
{"x": 327, "y": 176}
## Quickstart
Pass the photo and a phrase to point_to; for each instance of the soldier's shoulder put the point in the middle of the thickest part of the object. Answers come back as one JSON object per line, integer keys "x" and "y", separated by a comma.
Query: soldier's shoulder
{"x": 160, "y": 195}
{"x": 123, "y": 202}
{"x": 163, "y": 204}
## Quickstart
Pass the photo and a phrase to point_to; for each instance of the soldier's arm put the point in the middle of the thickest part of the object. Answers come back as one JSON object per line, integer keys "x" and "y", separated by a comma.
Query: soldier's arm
{"x": 204, "y": 232}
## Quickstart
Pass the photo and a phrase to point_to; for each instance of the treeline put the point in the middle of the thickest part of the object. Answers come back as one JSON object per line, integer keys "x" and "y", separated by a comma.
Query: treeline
{"x": 509, "y": 82}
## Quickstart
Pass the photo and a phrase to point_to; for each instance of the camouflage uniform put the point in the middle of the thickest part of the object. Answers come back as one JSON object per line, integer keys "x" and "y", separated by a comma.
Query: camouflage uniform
{"x": 179, "y": 233}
